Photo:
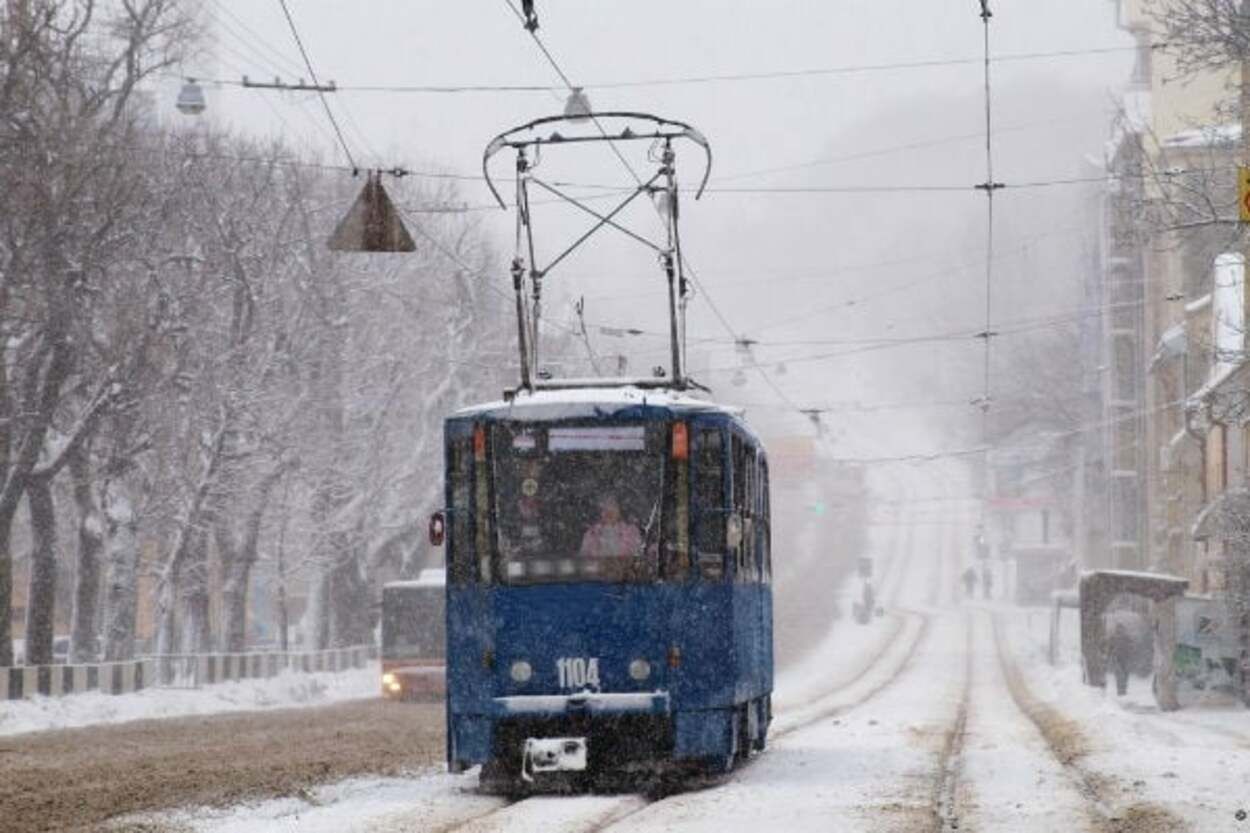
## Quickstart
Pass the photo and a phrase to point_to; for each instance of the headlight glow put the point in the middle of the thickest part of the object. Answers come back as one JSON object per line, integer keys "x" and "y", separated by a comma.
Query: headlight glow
{"x": 388, "y": 678}
{"x": 521, "y": 671}
{"x": 640, "y": 669}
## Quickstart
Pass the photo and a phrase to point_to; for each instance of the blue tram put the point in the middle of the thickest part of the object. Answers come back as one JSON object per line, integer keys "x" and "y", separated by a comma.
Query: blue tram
{"x": 609, "y": 601}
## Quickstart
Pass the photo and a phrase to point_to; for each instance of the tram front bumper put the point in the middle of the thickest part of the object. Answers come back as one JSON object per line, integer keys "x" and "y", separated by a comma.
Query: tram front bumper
{"x": 586, "y": 703}
{"x": 586, "y": 730}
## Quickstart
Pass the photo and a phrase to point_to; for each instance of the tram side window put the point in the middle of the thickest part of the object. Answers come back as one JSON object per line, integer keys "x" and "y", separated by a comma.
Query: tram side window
{"x": 709, "y": 489}
{"x": 462, "y": 561}
{"x": 740, "y": 506}
{"x": 766, "y": 539}
{"x": 754, "y": 553}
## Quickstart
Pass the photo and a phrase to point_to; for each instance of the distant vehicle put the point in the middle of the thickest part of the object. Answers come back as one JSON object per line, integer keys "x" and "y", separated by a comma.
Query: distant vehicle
{"x": 414, "y": 637}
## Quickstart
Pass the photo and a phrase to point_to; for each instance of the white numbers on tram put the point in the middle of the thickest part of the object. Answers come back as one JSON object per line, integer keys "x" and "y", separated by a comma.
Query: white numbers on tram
{"x": 578, "y": 672}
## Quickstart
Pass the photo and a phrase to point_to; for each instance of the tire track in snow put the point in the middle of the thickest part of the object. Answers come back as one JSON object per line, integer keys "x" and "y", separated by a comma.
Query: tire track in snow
{"x": 946, "y": 785}
{"x": 950, "y": 765}
{"x": 1069, "y": 745}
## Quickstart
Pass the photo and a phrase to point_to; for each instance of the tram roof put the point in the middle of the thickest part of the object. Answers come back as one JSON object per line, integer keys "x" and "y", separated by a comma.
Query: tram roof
{"x": 591, "y": 402}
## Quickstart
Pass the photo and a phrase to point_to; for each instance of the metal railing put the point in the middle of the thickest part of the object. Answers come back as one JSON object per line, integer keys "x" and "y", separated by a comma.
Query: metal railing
{"x": 197, "y": 670}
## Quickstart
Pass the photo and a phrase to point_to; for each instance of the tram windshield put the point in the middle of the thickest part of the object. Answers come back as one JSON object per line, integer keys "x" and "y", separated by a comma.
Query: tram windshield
{"x": 579, "y": 503}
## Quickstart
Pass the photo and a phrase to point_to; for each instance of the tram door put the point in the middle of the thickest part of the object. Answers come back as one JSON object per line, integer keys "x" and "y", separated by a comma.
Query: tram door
{"x": 748, "y": 599}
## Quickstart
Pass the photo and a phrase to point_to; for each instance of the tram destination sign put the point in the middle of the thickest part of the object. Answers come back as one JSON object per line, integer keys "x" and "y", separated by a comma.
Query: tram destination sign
{"x": 614, "y": 438}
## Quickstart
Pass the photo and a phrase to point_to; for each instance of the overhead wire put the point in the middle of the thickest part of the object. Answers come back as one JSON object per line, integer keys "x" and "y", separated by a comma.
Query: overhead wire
{"x": 312, "y": 73}
{"x": 849, "y": 69}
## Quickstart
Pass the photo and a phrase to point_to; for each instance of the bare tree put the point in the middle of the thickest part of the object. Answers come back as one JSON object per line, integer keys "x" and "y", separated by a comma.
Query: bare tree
{"x": 71, "y": 70}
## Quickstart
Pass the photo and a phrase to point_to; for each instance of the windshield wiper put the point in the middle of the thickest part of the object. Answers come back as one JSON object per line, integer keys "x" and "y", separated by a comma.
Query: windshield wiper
{"x": 646, "y": 530}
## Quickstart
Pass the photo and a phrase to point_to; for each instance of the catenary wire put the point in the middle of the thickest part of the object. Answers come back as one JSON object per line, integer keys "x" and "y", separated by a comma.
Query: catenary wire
{"x": 312, "y": 73}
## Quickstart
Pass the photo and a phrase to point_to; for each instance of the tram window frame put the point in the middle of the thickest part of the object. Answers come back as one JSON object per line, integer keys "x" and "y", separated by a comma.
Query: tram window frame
{"x": 711, "y": 509}
{"x": 462, "y": 552}
{"x": 741, "y": 506}
{"x": 751, "y": 523}
{"x": 766, "y": 560}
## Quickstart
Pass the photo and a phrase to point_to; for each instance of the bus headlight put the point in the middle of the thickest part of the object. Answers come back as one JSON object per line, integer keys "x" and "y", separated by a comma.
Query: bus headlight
{"x": 521, "y": 671}
{"x": 388, "y": 679}
{"x": 640, "y": 669}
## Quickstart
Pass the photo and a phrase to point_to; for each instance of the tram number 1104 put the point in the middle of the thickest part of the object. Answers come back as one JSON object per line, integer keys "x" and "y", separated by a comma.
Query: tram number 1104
{"x": 578, "y": 672}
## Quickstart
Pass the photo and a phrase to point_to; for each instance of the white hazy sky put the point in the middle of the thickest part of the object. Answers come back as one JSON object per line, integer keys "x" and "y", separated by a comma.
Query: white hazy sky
{"x": 764, "y": 259}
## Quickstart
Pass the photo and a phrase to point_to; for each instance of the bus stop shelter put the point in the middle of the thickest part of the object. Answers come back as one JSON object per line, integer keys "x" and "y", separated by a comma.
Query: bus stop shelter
{"x": 1097, "y": 589}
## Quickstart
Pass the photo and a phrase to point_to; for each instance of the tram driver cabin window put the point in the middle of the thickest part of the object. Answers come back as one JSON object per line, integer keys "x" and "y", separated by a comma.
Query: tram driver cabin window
{"x": 578, "y": 502}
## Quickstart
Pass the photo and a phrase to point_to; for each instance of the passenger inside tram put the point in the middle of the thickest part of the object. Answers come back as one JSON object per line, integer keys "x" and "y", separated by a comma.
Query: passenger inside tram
{"x": 611, "y": 536}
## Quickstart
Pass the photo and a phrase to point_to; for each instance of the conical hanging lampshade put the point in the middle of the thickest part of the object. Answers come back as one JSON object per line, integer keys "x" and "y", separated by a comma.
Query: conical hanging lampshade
{"x": 372, "y": 224}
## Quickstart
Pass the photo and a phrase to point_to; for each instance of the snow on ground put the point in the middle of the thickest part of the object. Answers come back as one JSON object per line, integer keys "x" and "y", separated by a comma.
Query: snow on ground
{"x": 286, "y": 690}
{"x": 871, "y": 769}
{"x": 421, "y": 802}
{"x": 1009, "y": 778}
{"x": 1194, "y": 762}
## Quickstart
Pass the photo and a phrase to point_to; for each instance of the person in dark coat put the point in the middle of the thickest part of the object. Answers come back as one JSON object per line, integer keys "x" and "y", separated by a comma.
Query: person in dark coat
{"x": 987, "y": 581}
{"x": 1120, "y": 656}
{"x": 970, "y": 582}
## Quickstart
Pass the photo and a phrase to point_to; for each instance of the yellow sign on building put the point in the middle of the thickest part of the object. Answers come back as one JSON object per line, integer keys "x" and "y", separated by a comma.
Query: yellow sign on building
{"x": 1243, "y": 192}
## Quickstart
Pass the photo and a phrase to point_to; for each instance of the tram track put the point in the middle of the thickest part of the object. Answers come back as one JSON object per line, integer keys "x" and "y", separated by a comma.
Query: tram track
{"x": 946, "y": 803}
{"x": 1068, "y": 746}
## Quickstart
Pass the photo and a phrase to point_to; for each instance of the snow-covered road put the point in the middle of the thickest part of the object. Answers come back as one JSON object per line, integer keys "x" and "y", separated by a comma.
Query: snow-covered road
{"x": 939, "y": 716}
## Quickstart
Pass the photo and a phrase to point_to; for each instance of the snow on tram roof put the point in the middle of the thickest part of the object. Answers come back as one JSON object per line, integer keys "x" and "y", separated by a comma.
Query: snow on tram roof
{"x": 575, "y": 402}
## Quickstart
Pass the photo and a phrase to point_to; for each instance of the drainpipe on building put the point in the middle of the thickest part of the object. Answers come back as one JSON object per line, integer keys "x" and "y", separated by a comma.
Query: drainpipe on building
{"x": 1238, "y": 584}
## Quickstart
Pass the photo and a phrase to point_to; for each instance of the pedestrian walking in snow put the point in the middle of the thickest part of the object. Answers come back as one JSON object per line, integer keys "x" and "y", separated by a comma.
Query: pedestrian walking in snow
{"x": 970, "y": 582}
{"x": 987, "y": 581}
{"x": 1120, "y": 656}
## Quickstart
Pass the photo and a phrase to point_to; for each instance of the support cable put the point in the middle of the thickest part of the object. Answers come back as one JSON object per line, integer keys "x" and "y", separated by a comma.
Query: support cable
{"x": 312, "y": 73}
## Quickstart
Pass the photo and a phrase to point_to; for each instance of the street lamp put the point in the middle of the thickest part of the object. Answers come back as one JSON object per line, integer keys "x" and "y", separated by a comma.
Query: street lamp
{"x": 191, "y": 98}
{"x": 577, "y": 106}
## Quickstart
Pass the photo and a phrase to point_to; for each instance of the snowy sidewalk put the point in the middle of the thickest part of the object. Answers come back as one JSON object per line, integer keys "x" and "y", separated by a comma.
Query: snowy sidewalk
{"x": 284, "y": 691}
{"x": 1193, "y": 763}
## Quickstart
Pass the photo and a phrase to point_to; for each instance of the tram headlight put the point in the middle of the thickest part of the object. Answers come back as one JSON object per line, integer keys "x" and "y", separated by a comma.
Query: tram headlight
{"x": 521, "y": 671}
{"x": 640, "y": 669}
{"x": 388, "y": 679}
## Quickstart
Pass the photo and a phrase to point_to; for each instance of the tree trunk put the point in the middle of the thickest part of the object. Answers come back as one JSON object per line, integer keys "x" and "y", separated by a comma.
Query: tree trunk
{"x": 316, "y": 621}
{"x": 6, "y": 591}
{"x": 349, "y": 601}
{"x": 83, "y": 642}
{"x": 122, "y": 586}
{"x": 189, "y": 549}
{"x": 197, "y": 635}
{"x": 41, "y": 599}
{"x": 237, "y": 560}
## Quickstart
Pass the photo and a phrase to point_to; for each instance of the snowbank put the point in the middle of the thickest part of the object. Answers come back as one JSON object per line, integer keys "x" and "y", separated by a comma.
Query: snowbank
{"x": 284, "y": 691}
